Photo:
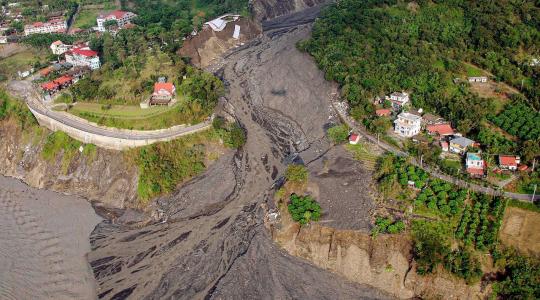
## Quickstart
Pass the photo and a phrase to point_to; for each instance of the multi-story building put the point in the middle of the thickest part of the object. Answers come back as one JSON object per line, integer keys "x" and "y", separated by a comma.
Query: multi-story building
{"x": 475, "y": 165}
{"x": 53, "y": 25}
{"x": 59, "y": 48}
{"x": 122, "y": 18}
{"x": 398, "y": 99}
{"x": 83, "y": 57}
{"x": 407, "y": 124}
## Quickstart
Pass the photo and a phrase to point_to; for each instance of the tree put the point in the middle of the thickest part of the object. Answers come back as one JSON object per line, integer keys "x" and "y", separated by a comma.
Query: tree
{"x": 297, "y": 173}
{"x": 304, "y": 209}
{"x": 338, "y": 133}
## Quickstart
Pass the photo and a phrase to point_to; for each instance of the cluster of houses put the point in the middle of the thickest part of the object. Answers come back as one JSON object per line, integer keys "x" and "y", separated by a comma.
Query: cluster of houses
{"x": 79, "y": 55}
{"x": 410, "y": 124}
{"x": 78, "y": 60}
{"x": 64, "y": 81}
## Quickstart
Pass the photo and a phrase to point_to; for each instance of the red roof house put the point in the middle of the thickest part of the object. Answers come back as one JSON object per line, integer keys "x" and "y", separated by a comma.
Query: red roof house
{"x": 509, "y": 162}
{"x": 164, "y": 87}
{"x": 475, "y": 172}
{"x": 63, "y": 80}
{"x": 45, "y": 71}
{"x": 49, "y": 86}
{"x": 383, "y": 112}
{"x": 84, "y": 52}
{"x": 354, "y": 139}
{"x": 440, "y": 129}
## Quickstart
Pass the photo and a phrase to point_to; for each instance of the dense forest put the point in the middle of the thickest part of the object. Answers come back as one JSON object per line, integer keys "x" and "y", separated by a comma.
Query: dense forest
{"x": 376, "y": 47}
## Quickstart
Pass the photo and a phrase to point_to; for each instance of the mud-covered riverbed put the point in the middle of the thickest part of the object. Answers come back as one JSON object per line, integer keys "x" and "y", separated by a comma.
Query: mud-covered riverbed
{"x": 43, "y": 244}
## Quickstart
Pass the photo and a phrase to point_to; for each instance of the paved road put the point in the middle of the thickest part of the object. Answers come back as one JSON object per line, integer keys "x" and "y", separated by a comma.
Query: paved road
{"x": 27, "y": 91}
{"x": 342, "y": 112}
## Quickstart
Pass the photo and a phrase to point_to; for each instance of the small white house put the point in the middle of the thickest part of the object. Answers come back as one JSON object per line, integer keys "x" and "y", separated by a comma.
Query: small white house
{"x": 3, "y": 39}
{"x": 407, "y": 124}
{"x": 354, "y": 139}
{"x": 398, "y": 99}
{"x": 481, "y": 79}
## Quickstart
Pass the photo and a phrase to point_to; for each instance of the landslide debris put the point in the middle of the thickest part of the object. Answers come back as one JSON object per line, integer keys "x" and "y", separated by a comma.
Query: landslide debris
{"x": 213, "y": 243}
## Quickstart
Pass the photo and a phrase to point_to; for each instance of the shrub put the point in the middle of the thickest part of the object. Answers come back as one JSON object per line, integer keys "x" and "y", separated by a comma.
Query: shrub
{"x": 304, "y": 209}
{"x": 296, "y": 173}
{"x": 338, "y": 134}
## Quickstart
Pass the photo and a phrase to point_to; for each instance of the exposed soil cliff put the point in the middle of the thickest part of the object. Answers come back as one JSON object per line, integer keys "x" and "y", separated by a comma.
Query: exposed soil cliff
{"x": 263, "y": 10}
{"x": 105, "y": 177}
{"x": 384, "y": 262}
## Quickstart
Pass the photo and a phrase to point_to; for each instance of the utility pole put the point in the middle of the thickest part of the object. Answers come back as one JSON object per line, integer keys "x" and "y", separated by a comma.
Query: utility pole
{"x": 534, "y": 162}
{"x": 421, "y": 159}
{"x": 534, "y": 193}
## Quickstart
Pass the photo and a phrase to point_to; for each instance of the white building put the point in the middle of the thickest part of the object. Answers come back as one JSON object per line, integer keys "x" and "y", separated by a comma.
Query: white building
{"x": 54, "y": 25}
{"x": 218, "y": 24}
{"x": 59, "y": 48}
{"x": 122, "y": 18}
{"x": 407, "y": 125}
{"x": 83, "y": 57}
{"x": 482, "y": 79}
{"x": 398, "y": 99}
{"x": 3, "y": 39}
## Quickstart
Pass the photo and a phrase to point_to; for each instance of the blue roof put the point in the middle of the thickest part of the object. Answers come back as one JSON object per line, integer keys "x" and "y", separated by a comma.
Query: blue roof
{"x": 473, "y": 156}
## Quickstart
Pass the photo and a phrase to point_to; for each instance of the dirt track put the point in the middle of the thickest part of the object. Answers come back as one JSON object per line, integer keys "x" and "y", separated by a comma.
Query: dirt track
{"x": 214, "y": 244}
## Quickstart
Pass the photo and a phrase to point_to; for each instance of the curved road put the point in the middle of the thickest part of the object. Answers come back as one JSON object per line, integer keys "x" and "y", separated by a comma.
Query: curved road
{"x": 27, "y": 91}
{"x": 342, "y": 112}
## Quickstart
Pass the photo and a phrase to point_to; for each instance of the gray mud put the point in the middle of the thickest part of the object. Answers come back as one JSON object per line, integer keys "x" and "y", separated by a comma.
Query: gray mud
{"x": 213, "y": 243}
{"x": 43, "y": 243}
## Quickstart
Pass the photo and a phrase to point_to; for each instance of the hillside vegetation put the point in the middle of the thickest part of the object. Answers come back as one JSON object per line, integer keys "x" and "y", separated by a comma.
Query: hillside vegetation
{"x": 376, "y": 47}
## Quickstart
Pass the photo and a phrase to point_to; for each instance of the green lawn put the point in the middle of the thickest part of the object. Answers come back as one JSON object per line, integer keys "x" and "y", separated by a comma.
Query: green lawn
{"x": 133, "y": 117}
{"x": 473, "y": 71}
{"x": 86, "y": 18}
{"x": 119, "y": 111}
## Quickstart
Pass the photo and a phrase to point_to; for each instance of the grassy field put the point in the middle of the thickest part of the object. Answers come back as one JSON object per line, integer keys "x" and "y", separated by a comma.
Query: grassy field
{"x": 473, "y": 71}
{"x": 361, "y": 153}
{"x": 133, "y": 117}
{"x": 21, "y": 61}
{"x": 119, "y": 111}
{"x": 87, "y": 16}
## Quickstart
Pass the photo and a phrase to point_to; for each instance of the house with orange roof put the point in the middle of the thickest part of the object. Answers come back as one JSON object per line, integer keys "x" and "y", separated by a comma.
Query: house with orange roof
{"x": 163, "y": 93}
{"x": 383, "y": 112}
{"x": 509, "y": 162}
{"x": 440, "y": 129}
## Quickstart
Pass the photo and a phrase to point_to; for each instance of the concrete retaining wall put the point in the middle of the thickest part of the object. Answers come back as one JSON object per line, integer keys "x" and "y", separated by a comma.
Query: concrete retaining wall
{"x": 109, "y": 142}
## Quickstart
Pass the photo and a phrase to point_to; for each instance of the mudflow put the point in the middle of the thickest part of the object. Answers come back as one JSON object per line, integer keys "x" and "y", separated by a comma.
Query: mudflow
{"x": 211, "y": 242}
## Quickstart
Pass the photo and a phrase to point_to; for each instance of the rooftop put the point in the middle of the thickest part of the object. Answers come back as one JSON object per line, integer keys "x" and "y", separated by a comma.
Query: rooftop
{"x": 473, "y": 156}
{"x": 440, "y": 129}
{"x": 383, "y": 112}
{"x": 462, "y": 141}
{"x": 409, "y": 116}
{"x": 84, "y": 51}
{"x": 508, "y": 160}
{"x": 166, "y": 86}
